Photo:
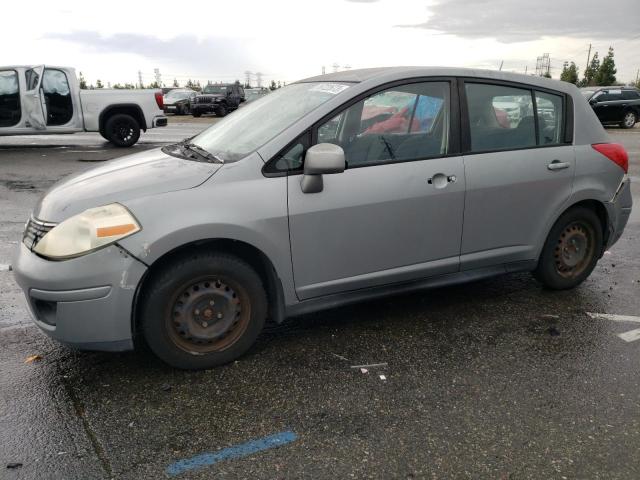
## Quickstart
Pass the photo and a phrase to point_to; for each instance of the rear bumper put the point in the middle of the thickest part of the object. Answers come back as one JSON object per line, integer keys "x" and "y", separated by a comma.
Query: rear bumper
{"x": 85, "y": 302}
{"x": 619, "y": 210}
{"x": 159, "y": 121}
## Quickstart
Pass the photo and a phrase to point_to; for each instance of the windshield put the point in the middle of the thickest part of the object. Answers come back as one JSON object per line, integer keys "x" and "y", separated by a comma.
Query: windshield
{"x": 250, "y": 127}
{"x": 177, "y": 95}
{"x": 215, "y": 89}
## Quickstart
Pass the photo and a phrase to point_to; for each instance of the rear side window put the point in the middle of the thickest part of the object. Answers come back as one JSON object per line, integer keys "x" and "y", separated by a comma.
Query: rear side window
{"x": 630, "y": 95}
{"x": 9, "y": 98}
{"x": 550, "y": 112}
{"x": 500, "y": 117}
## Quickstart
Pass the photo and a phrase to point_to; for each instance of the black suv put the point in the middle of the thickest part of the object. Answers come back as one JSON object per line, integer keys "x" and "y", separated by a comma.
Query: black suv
{"x": 615, "y": 105}
{"x": 219, "y": 99}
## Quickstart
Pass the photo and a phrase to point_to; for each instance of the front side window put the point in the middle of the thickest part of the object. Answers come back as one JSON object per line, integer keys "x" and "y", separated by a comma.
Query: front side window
{"x": 408, "y": 122}
{"x": 550, "y": 118}
{"x": 57, "y": 97}
{"x": 500, "y": 117}
{"x": 9, "y": 98}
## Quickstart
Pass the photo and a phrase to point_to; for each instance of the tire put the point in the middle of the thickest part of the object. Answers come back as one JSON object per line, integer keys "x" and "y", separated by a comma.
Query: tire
{"x": 629, "y": 120}
{"x": 196, "y": 114}
{"x": 203, "y": 310}
{"x": 571, "y": 250}
{"x": 122, "y": 130}
{"x": 221, "y": 111}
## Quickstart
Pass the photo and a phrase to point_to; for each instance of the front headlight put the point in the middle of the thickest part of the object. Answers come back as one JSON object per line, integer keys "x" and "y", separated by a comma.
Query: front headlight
{"x": 83, "y": 233}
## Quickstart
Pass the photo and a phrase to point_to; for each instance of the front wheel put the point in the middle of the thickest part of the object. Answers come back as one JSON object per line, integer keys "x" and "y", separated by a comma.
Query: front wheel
{"x": 221, "y": 110}
{"x": 629, "y": 120}
{"x": 203, "y": 310}
{"x": 122, "y": 130}
{"x": 571, "y": 250}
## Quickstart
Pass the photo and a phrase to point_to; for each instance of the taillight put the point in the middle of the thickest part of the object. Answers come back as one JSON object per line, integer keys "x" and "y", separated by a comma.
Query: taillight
{"x": 614, "y": 152}
{"x": 159, "y": 100}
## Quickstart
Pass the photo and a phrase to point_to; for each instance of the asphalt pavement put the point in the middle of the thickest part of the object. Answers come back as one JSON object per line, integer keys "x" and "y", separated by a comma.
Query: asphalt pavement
{"x": 495, "y": 379}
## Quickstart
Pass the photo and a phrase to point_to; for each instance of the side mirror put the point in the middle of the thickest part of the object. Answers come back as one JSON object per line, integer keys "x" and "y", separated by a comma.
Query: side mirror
{"x": 321, "y": 159}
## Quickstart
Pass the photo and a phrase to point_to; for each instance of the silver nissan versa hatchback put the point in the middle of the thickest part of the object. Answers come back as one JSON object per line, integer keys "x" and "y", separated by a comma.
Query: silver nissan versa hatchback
{"x": 331, "y": 190}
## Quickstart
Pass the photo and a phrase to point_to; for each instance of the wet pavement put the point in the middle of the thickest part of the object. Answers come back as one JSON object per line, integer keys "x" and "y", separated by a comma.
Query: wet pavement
{"x": 494, "y": 379}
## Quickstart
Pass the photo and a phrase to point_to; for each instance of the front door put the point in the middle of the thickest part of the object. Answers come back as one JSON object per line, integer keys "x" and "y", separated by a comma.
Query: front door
{"x": 517, "y": 181}
{"x": 395, "y": 214}
{"x": 33, "y": 100}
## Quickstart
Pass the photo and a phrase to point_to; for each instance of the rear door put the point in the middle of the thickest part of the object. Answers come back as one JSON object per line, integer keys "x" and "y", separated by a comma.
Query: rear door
{"x": 10, "y": 104}
{"x": 395, "y": 213}
{"x": 519, "y": 169}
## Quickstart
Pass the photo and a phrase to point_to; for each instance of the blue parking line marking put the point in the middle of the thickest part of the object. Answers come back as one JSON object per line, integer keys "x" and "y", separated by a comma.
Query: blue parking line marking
{"x": 237, "y": 451}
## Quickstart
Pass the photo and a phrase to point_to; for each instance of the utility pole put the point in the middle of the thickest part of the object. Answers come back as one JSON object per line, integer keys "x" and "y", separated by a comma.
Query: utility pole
{"x": 156, "y": 72}
{"x": 247, "y": 78}
{"x": 588, "y": 57}
{"x": 543, "y": 64}
{"x": 259, "y": 79}
{"x": 501, "y": 63}
{"x": 140, "y": 85}
{"x": 526, "y": 67}
{"x": 323, "y": 70}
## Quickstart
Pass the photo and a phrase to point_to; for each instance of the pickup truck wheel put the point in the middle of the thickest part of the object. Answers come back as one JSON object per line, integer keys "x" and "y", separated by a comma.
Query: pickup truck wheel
{"x": 122, "y": 130}
{"x": 203, "y": 310}
{"x": 221, "y": 111}
{"x": 571, "y": 251}
{"x": 196, "y": 114}
{"x": 629, "y": 120}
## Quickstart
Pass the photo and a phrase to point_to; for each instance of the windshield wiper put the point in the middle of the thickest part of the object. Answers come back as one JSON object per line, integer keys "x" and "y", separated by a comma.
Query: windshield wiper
{"x": 201, "y": 152}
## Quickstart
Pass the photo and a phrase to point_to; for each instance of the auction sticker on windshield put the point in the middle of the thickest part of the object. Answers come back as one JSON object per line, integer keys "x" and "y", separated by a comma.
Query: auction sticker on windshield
{"x": 333, "y": 88}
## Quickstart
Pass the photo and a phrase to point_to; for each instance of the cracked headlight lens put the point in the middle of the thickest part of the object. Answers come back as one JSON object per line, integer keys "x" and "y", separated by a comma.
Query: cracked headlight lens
{"x": 88, "y": 231}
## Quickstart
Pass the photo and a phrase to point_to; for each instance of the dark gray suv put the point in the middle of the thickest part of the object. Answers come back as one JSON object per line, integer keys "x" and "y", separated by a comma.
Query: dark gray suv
{"x": 615, "y": 105}
{"x": 219, "y": 99}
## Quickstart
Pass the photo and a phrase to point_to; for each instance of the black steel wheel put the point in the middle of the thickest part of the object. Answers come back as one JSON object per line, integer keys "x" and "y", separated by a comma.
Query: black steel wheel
{"x": 122, "y": 130}
{"x": 202, "y": 310}
{"x": 572, "y": 249}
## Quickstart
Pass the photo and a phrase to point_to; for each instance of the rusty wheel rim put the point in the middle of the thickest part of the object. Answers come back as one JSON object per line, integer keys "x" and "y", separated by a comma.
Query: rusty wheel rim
{"x": 207, "y": 315}
{"x": 574, "y": 250}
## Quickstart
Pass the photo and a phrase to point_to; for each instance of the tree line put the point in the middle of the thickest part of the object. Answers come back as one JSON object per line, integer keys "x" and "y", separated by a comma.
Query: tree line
{"x": 597, "y": 73}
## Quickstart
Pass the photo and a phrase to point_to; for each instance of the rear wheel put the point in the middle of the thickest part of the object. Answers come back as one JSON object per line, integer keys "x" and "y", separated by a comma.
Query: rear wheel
{"x": 122, "y": 130}
{"x": 571, "y": 251}
{"x": 629, "y": 120}
{"x": 203, "y": 310}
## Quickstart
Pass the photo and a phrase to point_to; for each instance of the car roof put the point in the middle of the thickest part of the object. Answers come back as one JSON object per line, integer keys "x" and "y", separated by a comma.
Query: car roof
{"x": 384, "y": 74}
{"x": 615, "y": 87}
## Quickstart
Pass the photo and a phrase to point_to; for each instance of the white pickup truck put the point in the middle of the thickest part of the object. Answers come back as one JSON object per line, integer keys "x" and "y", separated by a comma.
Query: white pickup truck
{"x": 47, "y": 100}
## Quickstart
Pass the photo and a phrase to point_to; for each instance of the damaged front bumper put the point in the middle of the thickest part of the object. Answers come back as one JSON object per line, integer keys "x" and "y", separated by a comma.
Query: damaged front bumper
{"x": 85, "y": 302}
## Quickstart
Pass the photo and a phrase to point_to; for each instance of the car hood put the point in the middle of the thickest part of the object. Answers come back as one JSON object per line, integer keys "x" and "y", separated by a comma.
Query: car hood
{"x": 133, "y": 176}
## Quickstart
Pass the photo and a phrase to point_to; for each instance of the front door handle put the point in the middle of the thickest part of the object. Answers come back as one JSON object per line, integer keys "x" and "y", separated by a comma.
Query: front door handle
{"x": 558, "y": 165}
{"x": 440, "y": 180}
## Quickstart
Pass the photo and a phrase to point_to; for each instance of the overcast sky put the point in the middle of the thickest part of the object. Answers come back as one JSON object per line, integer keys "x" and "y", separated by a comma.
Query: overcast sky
{"x": 291, "y": 39}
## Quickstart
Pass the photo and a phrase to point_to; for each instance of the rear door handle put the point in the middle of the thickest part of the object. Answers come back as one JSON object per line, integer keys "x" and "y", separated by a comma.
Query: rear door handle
{"x": 558, "y": 165}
